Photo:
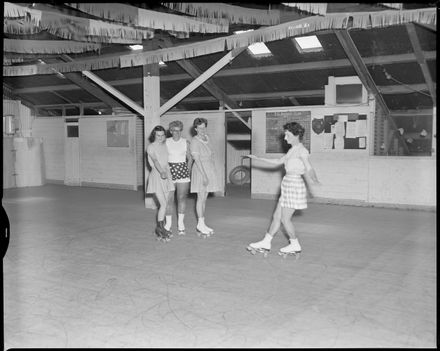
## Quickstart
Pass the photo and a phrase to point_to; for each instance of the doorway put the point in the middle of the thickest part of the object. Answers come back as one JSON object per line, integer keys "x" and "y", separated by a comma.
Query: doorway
{"x": 71, "y": 153}
{"x": 238, "y": 144}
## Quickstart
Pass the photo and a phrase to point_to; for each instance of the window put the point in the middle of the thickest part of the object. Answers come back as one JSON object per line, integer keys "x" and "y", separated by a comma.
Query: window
{"x": 257, "y": 49}
{"x": 308, "y": 44}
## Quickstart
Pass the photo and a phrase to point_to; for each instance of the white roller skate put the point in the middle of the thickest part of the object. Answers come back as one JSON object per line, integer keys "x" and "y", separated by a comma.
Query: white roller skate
{"x": 180, "y": 225}
{"x": 294, "y": 248}
{"x": 203, "y": 230}
{"x": 262, "y": 246}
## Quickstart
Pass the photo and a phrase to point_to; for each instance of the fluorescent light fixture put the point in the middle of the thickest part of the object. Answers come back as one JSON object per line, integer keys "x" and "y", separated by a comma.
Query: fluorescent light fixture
{"x": 136, "y": 47}
{"x": 257, "y": 49}
{"x": 308, "y": 44}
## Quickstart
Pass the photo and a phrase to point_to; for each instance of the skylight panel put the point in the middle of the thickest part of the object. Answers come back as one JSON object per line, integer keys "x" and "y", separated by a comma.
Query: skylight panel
{"x": 308, "y": 44}
{"x": 257, "y": 49}
{"x": 136, "y": 47}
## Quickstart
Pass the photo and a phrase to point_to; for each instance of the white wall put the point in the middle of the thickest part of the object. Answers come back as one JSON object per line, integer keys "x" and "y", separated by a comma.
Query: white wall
{"x": 349, "y": 176}
{"x": 101, "y": 165}
{"x": 342, "y": 172}
{"x": 403, "y": 180}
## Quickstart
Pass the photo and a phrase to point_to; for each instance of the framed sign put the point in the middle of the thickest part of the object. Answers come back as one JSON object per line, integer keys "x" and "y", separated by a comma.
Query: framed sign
{"x": 275, "y": 133}
{"x": 117, "y": 133}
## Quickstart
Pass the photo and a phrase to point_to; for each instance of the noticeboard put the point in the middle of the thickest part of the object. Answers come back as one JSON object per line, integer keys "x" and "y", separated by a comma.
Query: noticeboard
{"x": 275, "y": 133}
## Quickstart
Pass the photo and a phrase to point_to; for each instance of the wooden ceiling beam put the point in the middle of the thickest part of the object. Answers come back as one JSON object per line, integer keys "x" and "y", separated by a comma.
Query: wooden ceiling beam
{"x": 89, "y": 87}
{"x": 209, "y": 85}
{"x": 379, "y": 60}
{"x": 201, "y": 79}
{"x": 411, "y": 29}
{"x": 358, "y": 64}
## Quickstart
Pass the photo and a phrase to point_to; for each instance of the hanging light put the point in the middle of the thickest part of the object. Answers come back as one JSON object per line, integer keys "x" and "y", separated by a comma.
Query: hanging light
{"x": 423, "y": 133}
{"x": 401, "y": 131}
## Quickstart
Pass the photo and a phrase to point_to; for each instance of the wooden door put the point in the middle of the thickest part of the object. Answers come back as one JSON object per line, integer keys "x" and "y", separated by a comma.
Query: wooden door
{"x": 71, "y": 154}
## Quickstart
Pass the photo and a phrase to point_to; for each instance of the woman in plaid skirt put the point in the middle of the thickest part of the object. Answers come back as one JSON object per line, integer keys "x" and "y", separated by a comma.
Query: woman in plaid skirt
{"x": 293, "y": 190}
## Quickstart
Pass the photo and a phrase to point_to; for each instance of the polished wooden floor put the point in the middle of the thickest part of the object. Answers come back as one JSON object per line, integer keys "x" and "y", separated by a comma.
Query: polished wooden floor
{"x": 83, "y": 269}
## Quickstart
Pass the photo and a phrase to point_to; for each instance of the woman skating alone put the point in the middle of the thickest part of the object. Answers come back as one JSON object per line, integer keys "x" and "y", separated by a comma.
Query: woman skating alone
{"x": 204, "y": 175}
{"x": 180, "y": 162}
{"x": 159, "y": 179}
{"x": 293, "y": 190}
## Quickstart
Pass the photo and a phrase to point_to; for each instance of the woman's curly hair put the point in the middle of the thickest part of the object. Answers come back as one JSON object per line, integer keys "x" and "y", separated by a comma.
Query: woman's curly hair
{"x": 295, "y": 128}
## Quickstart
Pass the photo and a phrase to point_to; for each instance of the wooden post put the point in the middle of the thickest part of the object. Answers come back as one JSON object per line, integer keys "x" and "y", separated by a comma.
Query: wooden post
{"x": 151, "y": 87}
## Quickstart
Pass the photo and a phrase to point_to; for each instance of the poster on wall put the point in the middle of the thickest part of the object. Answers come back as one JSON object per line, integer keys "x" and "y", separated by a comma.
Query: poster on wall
{"x": 275, "y": 133}
{"x": 341, "y": 131}
{"x": 117, "y": 133}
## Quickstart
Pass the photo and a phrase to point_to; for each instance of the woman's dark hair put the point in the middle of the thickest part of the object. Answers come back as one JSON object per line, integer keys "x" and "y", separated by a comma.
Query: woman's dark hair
{"x": 198, "y": 121}
{"x": 295, "y": 128}
{"x": 153, "y": 133}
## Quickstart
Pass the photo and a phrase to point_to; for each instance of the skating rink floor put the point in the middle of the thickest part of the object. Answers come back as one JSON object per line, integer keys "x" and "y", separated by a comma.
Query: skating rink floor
{"x": 83, "y": 269}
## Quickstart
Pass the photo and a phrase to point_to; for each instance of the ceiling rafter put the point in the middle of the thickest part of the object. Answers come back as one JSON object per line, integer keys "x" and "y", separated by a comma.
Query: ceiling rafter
{"x": 87, "y": 86}
{"x": 411, "y": 29}
{"x": 200, "y": 79}
{"x": 209, "y": 84}
{"x": 378, "y": 60}
{"x": 366, "y": 79}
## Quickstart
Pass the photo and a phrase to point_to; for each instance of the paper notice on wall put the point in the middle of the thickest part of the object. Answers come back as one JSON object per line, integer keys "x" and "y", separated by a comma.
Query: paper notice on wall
{"x": 342, "y": 118}
{"x": 328, "y": 141}
{"x": 339, "y": 129}
{"x": 318, "y": 143}
{"x": 351, "y": 130}
{"x": 339, "y": 143}
{"x": 361, "y": 127}
{"x": 362, "y": 143}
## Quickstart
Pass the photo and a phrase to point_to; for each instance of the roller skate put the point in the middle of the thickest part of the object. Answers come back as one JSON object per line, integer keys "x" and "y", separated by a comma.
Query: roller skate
{"x": 180, "y": 225}
{"x": 262, "y": 246}
{"x": 294, "y": 248}
{"x": 161, "y": 233}
{"x": 203, "y": 230}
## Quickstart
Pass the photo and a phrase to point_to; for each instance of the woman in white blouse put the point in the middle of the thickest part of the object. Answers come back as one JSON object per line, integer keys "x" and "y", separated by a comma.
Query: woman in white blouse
{"x": 293, "y": 190}
{"x": 180, "y": 162}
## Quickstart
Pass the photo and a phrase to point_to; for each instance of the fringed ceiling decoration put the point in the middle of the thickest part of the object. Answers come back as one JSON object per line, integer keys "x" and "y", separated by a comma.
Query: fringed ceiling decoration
{"x": 393, "y": 5}
{"x": 361, "y": 20}
{"x": 138, "y": 17}
{"x": 11, "y": 10}
{"x": 72, "y": 27}
{"x": 48, "y": 46}
{"x": 317, "y": 8}
{"x": 235, "y": 14}
{"x": 11, "y": 60}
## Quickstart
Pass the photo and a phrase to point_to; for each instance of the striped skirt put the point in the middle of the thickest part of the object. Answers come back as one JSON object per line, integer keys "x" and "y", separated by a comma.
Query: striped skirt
{"x": 293, "y": 192}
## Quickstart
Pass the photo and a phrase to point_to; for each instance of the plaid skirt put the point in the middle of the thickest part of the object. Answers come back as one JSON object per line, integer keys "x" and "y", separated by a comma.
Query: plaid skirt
{"x": 293, "y": 192}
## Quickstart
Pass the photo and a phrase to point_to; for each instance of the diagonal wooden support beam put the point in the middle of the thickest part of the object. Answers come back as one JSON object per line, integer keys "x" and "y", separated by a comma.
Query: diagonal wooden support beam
{"x": 87, "y": 86}
{"x": 200, "y": 79}
{"x": 108, "y": 88}
{"x": 411, "y": 29}
{"x": 358, "y": 64}
{"x": 209, "y": 84}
